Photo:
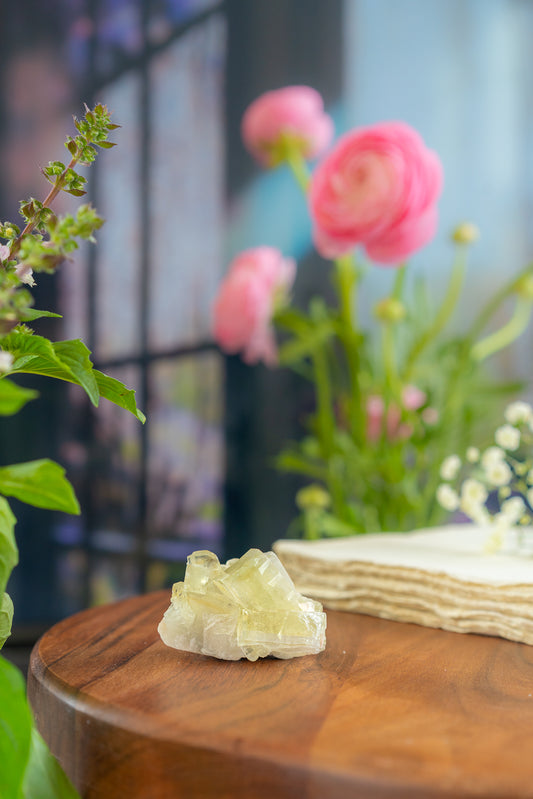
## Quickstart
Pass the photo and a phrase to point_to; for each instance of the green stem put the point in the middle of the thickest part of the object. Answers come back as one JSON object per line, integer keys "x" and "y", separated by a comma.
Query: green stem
{"x": 347, "y": 278}
{"x": 399, "y": 282}
{"x": 325, "y": 417}
{"x": 389, "y": 361}
{"x": 389, "y": 351}
{"x": 298, "y": 167}
{"x": 506, "y": 334}
{"x": 492, "y": 306}
{"x": 48, "y": 200}
{"x": 444, "y": 313}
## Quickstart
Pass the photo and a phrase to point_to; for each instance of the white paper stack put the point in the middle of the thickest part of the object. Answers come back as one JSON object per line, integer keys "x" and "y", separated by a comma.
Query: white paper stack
{"x": 440, "y": 577}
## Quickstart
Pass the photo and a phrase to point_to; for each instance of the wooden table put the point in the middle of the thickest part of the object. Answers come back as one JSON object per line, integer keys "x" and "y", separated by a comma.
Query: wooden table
{"x": 388, "y": 710}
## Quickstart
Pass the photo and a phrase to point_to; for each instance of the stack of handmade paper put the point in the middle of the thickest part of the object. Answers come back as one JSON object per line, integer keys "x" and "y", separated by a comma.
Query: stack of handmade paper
{"x": 440, "y": 577}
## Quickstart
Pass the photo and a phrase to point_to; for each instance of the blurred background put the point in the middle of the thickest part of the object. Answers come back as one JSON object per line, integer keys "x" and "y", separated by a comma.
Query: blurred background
{"x": 181, "y": 197}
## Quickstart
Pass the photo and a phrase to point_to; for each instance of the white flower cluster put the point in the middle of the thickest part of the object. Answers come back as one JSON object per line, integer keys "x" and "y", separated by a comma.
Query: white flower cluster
{"x": 503, "y": 471}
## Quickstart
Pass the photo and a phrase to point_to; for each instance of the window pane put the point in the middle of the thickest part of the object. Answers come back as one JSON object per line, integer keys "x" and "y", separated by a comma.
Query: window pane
{"x": 185, "y": 461}
{"x": 186, "y": 185}
{"x": 166, "y": 15}
{"x": 112, "y": 578}
{"x": 118, "y": 33}
{"x": 118, "y": 250}
{"x": 114, "y": 473}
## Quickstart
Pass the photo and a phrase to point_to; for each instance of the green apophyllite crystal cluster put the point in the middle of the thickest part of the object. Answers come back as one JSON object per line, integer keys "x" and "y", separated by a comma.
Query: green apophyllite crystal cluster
{"x": 247, "y": 607}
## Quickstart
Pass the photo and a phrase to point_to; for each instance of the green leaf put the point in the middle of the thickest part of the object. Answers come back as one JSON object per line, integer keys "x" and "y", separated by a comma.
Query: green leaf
{"x": 294, "y": 350}
{"x": 8, "y": 546}
{"x": 115, "y": 391}
{"x": 30, "y": 314}
{"x": 64, "y": 360}
{"x": 6, "y": 617}
{"x": 76, "y": 356}
{"x": 35, "y": 355}
{"x": 15, "y": 730}
{"x": 13, "y": 397}
{"x": 41, "y": 483}
{"x": 44, "y": 778}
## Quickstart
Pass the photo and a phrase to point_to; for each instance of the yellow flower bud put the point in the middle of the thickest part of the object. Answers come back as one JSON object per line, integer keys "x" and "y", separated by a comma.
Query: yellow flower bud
{"x": 465, "y": 233}
{"x": 524, "y": 287}
{"x": 313, "y": 496}
{"x": 390, "y": 310}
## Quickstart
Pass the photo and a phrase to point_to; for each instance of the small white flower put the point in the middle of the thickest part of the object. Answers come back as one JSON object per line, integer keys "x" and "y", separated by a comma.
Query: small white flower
{"x": 492, "y": 455}
{"x": 447, "y": 497}
{"x": 518, "y": 412}
{"x": 498, "y": 473}
{"x": 472, "y": 491}
{"x": 6, "y": 361}
{"x": 507, "y": 437}
{"x": 475, "y": 511}
{"x": 512, "y": 509}
{"x": 472, "y": 454}
{"x": 450, "y": 467}
{"x": 529, "y": 497}
{"x": 25, "y": 274}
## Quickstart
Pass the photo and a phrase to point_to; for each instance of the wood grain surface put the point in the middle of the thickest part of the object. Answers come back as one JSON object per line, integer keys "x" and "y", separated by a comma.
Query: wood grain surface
{"x": 388, "y": 710}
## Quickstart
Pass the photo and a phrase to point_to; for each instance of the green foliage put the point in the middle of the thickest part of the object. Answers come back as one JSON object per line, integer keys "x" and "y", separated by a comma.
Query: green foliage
{"x": 13, "y": 397}
{"x": 69, "y": 361}
{"x": 41, "y": 483}
{"x": 27, "y": 769}
{"x": 8, "y": 547}
{"x": 44, "y": 778}
{"x": 6, "y": 618}
{"x": 15, "y": 735}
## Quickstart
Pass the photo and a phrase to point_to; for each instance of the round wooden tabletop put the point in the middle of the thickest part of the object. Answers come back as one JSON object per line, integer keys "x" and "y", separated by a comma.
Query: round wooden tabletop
{"x": 388, "y": 710}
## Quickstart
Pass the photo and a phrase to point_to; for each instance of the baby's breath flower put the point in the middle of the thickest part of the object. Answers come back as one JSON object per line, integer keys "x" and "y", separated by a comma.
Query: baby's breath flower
{"x": 498, "y": 473}
{"x": 518, "y": 412}
{"x": 450, "y": 467}
{"x": 473, "y": 491}
{"x": 475, "y": 511}
{"x": 472, "y": 454}
{"x": 447, "y": 497}
{"x": 491, "y": 455}
{"x": 507, "y": 437}
{"x": 512, "y": 509}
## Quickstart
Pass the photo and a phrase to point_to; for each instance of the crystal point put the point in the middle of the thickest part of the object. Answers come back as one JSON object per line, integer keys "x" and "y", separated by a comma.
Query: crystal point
{"x": 247, "y": 607}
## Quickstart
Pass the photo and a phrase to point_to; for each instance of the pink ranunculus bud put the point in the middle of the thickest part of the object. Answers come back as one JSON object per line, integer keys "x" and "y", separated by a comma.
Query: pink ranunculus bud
{"x": 413, "y": 399}
{"x": 258, "y": 281}
{"x": 377, "y": 188}
{"x": 294, "y": 114}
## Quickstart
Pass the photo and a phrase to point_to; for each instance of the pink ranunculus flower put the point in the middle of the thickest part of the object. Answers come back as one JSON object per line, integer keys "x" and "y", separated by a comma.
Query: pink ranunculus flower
{"x": 258, "y": 281}
{"x": 295, "y": 113}
{"x": 378, "y": 188}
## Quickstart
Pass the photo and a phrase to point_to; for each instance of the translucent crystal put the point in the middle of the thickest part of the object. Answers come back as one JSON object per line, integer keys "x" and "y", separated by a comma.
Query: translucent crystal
{"x": 247, "y": 607}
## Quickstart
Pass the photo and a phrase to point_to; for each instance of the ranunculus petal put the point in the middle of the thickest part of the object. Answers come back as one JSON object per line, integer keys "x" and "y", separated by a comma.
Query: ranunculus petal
{"x": 257, "y": 280}
{"x": 294, "y": 111}
{"x": 378, "y": 187}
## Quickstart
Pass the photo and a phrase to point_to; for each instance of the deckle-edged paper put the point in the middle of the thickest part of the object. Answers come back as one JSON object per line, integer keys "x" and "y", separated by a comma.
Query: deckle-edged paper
{"x": 438, "y": 577}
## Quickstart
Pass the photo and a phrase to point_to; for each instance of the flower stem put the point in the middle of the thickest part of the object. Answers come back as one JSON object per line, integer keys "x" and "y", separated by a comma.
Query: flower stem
{"x": 298, "y": 167}
{"x": 506, "y": 334}
{"x": 389, "y": 352}
{"x": 347, "y": 278}
{"x": 492, "y": 306}
{"x": 325, "y": 419}
{"x": 444, "y": 313}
